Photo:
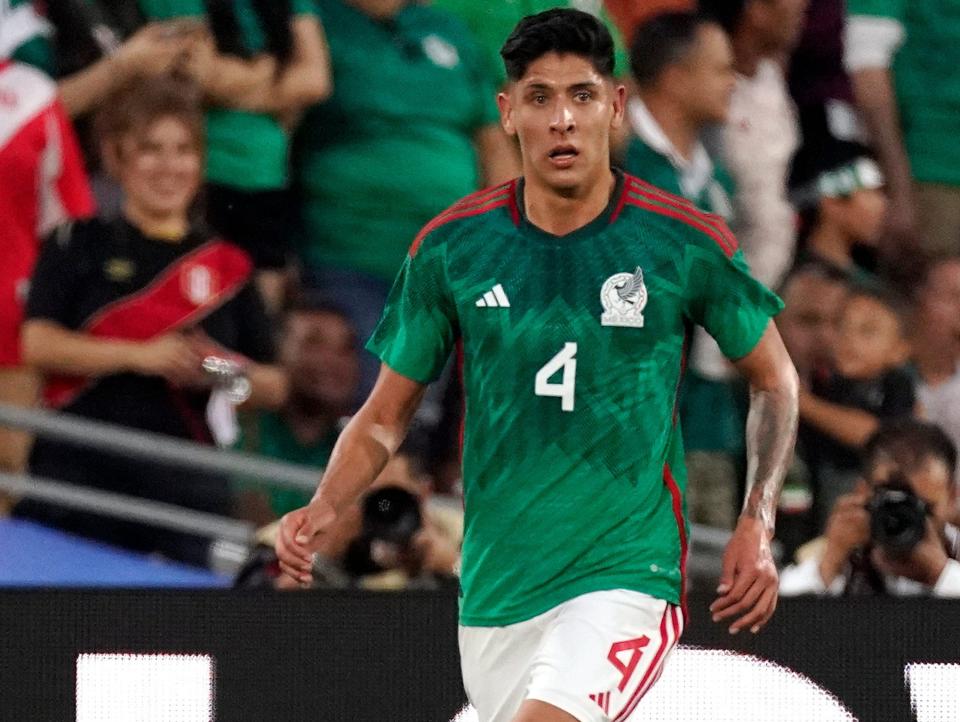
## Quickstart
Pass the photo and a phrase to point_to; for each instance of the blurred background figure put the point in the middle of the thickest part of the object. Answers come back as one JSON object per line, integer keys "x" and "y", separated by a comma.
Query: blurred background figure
{"x": 318, "y": 350}
{"x": 838, "y": 189}
{"x": 410, "y": 128}
{"x": 891, "y": 534}
{"x": 398, "y": 535}
{"x": 629, "y": 14}
{"x": 42, "y": 185}
{"x": 865, "y": 385}
{"x": 813, "y": 297}
{"x": 935, "y": 336}
{"x": 123, "y": 314}
{"x": 761, "y": 135}
{"x": 682, "y": 65}
{"x": 903, "y": 58}
{"x": 260, "y": 65}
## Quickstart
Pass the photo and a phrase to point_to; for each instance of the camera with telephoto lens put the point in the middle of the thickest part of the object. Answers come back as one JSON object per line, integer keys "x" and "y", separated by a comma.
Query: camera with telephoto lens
{"x": 391, "y": 518}
{"x": 898, "y": 517}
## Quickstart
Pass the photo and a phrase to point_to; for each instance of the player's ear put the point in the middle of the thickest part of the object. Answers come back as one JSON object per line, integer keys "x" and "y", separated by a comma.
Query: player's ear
{"x": 619, "y": 105}
{"x": 506, "y": 113}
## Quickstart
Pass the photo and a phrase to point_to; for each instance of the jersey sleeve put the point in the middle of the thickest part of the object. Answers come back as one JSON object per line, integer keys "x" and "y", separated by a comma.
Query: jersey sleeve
{"x": 418, "y": 328}
{"x": 60, "y": 274}
{"x": 725, "y": 299}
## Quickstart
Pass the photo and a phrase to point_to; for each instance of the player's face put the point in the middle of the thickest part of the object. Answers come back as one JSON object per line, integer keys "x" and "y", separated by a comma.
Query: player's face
{"x": 709, "y": 75}
{"x": 562, "y": 110}
{"x": 160, "y": 168}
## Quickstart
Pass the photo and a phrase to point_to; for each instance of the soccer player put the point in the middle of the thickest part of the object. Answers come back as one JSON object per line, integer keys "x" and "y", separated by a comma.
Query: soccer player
{"x": 569, "y": 295}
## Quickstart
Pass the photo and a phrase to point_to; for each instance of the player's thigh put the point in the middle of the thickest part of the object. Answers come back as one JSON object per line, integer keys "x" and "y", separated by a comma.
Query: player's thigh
{"x": 602, "y": 653}
{"x": 495, "y": 662}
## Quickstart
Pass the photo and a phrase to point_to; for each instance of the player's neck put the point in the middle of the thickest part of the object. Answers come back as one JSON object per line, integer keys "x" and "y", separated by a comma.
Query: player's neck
{"x": 560, "y": 214}
{"x": 170, "y": 227}
{"x": 747, "y": 54}
{"x": 675, "y": 124}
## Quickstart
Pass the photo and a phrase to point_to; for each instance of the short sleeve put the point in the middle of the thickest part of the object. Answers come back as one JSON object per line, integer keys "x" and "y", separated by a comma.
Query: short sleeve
{"x": 899, "y": 395}
{"x": 418, "y": 328}
{"x": 59, "y": 277}
{"x": 726, "y": 300}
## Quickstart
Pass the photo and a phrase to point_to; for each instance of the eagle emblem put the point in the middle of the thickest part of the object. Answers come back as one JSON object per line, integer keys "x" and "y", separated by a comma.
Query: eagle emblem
{"x": 624, "y": 296}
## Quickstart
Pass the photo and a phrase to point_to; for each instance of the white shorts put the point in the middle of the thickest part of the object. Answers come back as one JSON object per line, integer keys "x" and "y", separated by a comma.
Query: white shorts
{"x": 594, "y": 657}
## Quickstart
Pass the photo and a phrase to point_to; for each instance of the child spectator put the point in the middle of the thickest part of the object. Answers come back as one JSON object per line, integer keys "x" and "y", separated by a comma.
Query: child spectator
{"x": 838, "y": 189}
{"x": 865, "y": 385}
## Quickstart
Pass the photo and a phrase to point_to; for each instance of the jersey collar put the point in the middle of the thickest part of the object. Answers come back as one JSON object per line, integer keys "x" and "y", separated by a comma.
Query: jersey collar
{"x": 603, "y": 220}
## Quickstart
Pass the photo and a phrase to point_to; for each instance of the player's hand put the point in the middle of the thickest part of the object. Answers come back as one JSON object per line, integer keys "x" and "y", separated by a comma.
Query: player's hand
{"x": 748, "y": 583}
{"x": 152, "y": 50}
{"x": 301, "y": 533}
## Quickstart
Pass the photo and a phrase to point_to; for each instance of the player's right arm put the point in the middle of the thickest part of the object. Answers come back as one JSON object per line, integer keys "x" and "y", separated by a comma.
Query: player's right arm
{"x": 361, "y": 452}
{"x": 414, "y": 340}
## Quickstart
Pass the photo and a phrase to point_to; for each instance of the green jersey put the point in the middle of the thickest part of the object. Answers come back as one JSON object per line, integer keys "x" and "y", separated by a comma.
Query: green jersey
{"x": 572, "y": 349}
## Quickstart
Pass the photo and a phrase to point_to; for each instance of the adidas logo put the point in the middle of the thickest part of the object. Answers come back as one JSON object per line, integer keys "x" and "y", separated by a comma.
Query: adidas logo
{"x": 494, "y": 298}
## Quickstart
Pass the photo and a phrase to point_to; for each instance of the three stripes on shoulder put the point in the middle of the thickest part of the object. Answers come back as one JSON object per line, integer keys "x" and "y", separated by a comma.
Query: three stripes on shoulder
{"x": 494, "y": 298}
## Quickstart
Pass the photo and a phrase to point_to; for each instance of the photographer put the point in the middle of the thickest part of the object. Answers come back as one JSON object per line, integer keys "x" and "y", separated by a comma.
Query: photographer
{"x": 147, "y": 322}
{"x": 398, "y": 536}
{"x": 892, "y": 534}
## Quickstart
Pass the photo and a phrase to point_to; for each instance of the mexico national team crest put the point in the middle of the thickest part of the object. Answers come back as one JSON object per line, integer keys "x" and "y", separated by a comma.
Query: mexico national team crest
{"x": 624, "y": 296}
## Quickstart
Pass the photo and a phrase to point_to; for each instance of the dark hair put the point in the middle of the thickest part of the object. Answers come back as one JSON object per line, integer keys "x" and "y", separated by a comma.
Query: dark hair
{"x": 274, "y": 17}
{"x": 727, "y": 13}
{"x": 561, "y": 30}
{"x": 890, "y": 299}
{"x": 816, "y": 269}
{"x": 908, "y": 443}
{"x": 146, "y": 99}
{"x": 660, "y": 42}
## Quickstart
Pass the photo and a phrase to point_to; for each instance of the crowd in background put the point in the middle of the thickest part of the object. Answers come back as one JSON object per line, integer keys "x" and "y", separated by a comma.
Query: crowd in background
{"x": 239, "y": 181}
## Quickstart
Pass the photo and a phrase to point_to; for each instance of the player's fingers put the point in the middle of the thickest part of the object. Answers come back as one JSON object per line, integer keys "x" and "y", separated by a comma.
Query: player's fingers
{"x": 757, "y": 617}
{"x": 743, "y": 580}
{"x": 745, "y": 603}
{"x": 296, "y": 574}
{"x": 727, "y": 573}
{"x": 289, "y": 533}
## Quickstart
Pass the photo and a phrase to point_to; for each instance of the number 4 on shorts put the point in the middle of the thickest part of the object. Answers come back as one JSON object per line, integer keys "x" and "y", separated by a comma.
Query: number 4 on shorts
{"x": 565, "y": 389}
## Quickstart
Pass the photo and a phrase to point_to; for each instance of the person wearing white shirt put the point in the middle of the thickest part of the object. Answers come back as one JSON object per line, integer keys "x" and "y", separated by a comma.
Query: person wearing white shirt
{"x": 848, "y": 560}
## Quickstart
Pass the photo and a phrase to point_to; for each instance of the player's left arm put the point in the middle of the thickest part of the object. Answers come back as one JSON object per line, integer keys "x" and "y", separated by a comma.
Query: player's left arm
{"x": 749, "y": 583}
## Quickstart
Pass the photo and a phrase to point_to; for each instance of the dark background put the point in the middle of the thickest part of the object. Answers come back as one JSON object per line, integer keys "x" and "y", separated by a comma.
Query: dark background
{"x": 363, "y": 656}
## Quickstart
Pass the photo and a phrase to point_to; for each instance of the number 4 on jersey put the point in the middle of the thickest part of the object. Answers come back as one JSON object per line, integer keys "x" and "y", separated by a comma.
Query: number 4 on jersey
{"x": 565, "y": 389}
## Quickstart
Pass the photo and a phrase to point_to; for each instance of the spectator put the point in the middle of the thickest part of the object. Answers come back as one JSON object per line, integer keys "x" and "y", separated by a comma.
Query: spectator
{"x": 683, "y": 68}
{"x": 682, "y": 64}
{"x": 396, "y": 143}
{"x": 630, "y": 14}
{"x": 936, "y": 345}
{"x": 431, "y": 553}
{"x": 838, "y": 188}
{"x": 94, "y": 47}
{"x": 903, "y": 60}
{"x": 122, "y": 314}
{"x": 261, "y": 64}
{"x": 849, "y": 559}
{"x": 42, "y": 184}
{"x": 318, "y": 350}
{"x": 865, "y": 385}
{"x": 761, "y": 135}
{"x": 813, "y": 295}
